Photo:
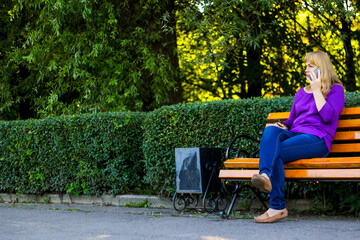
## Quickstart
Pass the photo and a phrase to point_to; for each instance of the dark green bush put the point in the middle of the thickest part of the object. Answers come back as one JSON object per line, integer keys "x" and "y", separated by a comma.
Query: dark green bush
{"x": 90, "y": 154}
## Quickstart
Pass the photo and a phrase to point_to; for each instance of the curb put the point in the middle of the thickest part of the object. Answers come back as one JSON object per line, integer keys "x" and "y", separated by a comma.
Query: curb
{"x": 107, "y": 200}
{"x": 132, "y": 201}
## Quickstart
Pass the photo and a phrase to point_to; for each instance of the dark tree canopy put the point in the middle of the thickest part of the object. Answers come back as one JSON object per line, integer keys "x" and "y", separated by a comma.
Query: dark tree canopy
{"x": 64, "y": 57}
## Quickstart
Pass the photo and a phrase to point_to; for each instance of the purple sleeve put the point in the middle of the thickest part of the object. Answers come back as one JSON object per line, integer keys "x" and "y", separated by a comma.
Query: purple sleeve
{"x": 292, "y": 116}
{"x": 334, "y": 104}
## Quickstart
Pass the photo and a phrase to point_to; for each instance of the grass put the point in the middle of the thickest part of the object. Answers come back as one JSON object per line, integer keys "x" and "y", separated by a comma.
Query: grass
{"x": 144, "y": 204}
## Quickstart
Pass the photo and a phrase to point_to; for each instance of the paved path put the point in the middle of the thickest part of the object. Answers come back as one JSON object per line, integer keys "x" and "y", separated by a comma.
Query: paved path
{"x": 47, "y": 221}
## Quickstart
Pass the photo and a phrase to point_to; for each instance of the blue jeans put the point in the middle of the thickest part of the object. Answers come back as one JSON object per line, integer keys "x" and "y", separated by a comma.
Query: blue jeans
{"x": 279, "y": 146}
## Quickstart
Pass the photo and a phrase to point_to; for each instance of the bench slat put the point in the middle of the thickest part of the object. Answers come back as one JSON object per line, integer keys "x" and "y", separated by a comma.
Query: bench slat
{"x": 273, "y": 117}
{"x": 237, "y": 174}
{"x": 349, "y": 124}
{"x": 343, "y": 123}
{"x": 327, "y": 163}
{"x": 323, "y": 174}
{"x": 315, "y": 174}
{"x": 346, "y": 113}
{"x": 346, "y": 136}
{"x": 242, "y": 163}
{"x": 350, "y": 112}
{"x": 345, "y": 148}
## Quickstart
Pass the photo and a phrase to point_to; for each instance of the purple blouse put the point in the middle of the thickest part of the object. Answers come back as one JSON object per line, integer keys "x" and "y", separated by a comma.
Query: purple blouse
{"x": 305, "y": 118}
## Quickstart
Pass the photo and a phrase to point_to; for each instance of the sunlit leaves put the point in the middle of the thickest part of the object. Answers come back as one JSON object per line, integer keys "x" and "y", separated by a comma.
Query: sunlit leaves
{"x": 281, "y": 32}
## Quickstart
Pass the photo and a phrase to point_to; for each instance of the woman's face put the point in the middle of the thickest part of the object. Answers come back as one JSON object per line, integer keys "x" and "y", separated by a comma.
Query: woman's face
{"x": 309, "y": 68}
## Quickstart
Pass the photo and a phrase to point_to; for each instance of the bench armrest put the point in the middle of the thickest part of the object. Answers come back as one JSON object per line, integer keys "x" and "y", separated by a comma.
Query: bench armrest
{"x": 241, "y": 150}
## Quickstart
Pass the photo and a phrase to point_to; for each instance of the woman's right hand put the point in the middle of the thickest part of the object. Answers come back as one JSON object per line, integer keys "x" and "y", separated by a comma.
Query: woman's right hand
{"x": 277, "y": 124}
{"x": 271, "y": 124}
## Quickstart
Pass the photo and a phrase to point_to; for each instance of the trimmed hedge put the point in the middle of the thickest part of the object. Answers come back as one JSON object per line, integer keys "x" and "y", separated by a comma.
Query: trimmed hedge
{"x": 128, "y": 152}
{"x": 205, "y": 124}
{"x": 214, "y": 124}
{"x": 89, "y": 154}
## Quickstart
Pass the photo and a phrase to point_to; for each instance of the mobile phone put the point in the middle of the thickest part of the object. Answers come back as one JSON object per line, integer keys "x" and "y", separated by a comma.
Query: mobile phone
{"x": 316, "y": 72}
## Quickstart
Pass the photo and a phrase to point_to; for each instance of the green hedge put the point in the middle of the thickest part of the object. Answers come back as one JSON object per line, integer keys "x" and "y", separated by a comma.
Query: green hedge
{"x": 214, "y": 124}
{"x": 128, "y": 152}
{"x": 205, "y": 124}
{"x": 89, "y": 154}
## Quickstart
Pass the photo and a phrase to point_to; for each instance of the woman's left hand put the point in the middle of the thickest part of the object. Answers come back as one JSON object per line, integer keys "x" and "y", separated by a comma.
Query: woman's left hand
{"x": 315, "y": 83}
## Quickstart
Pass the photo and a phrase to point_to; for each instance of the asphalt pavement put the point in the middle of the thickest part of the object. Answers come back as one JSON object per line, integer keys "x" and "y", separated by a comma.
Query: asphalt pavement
{"x": 76, "y": 221}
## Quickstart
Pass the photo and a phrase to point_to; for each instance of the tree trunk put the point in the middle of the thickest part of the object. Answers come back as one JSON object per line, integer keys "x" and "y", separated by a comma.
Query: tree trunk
{"x": 349, "y": 81}
{"x": 176, "y": 94}
{"x": 254, "y": 73}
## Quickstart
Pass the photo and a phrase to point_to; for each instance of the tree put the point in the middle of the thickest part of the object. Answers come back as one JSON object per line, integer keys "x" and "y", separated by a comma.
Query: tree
{"x": 337, "y": 19}
{"x": 89, "y": 56}
{"x": 12, "y": 100}
{"x": 240, "y": 48}
{"x": 236, "y": 30}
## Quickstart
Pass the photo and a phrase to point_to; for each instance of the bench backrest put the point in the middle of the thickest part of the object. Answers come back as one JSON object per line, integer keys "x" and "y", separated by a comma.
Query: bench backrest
{"x": 347, "y": 137}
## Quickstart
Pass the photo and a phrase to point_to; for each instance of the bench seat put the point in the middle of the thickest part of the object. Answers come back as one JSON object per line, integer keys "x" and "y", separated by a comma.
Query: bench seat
{"x": 343, "y": 163}
{"x": 298, "y": 174}
{"x": 315, "y": 168}
{"x": 327, "y": 163}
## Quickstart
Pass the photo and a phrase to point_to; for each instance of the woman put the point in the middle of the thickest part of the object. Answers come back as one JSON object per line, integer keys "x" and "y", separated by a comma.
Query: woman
{"x": 308, "y": 132}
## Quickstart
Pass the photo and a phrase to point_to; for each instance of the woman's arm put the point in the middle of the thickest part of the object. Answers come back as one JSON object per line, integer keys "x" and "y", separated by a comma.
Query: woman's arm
{"x": 319, "y": 99}
{"x": 278, "y": 124}
{"x": 330, "y": 107}
{"x": 334, "y": 104}
{"x": 315, "y": 84}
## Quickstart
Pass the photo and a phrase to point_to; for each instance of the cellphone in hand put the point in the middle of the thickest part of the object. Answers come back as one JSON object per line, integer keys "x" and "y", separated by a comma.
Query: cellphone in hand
{"x": 316, "y": 72}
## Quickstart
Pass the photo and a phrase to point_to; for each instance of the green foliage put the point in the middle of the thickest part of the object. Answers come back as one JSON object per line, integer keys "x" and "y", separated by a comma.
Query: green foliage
{"x": 144, "y": 204}
{"x": 128, "y": 152}
{"x": 88, "y": 154}
{"x": 237, "y": 49}
{"x": 66, "y": 57}
{"x": 337, "y": 198}
{"x": 226, "y": 43}
{"x": 208, "y": 124}
{"x": 205, "y": 124}
{"x": 214, "y": 124}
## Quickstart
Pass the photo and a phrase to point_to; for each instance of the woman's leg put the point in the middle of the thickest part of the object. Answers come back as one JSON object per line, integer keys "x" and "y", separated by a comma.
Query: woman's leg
{"x": 270, "y": 148}
{"x": 277, "y": 194}
{"x": 279, "y": 146}
{"x": 300, "y": 146}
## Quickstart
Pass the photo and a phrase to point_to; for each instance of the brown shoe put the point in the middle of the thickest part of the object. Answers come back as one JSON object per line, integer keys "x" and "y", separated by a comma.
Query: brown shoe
{"x": 262, "y": 183}
{"x": 264, "y": 218}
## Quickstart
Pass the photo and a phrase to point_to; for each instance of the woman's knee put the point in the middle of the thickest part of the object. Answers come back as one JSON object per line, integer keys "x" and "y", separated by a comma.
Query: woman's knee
{"x": 272, "y": 133}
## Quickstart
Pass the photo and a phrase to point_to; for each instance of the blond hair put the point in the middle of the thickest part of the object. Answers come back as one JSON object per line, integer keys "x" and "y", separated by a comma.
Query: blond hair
{"x": 327, "y": 72}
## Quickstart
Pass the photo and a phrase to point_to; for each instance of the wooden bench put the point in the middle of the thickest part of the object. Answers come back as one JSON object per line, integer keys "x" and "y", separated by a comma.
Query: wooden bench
{"x": 343, "y": 163}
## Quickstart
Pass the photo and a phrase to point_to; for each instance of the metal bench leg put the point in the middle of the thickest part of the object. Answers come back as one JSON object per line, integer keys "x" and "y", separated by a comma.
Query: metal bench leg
{"x": 235, "y": 192}
{"x": 212, "y": 206}
{"x": 260, "y": 197}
